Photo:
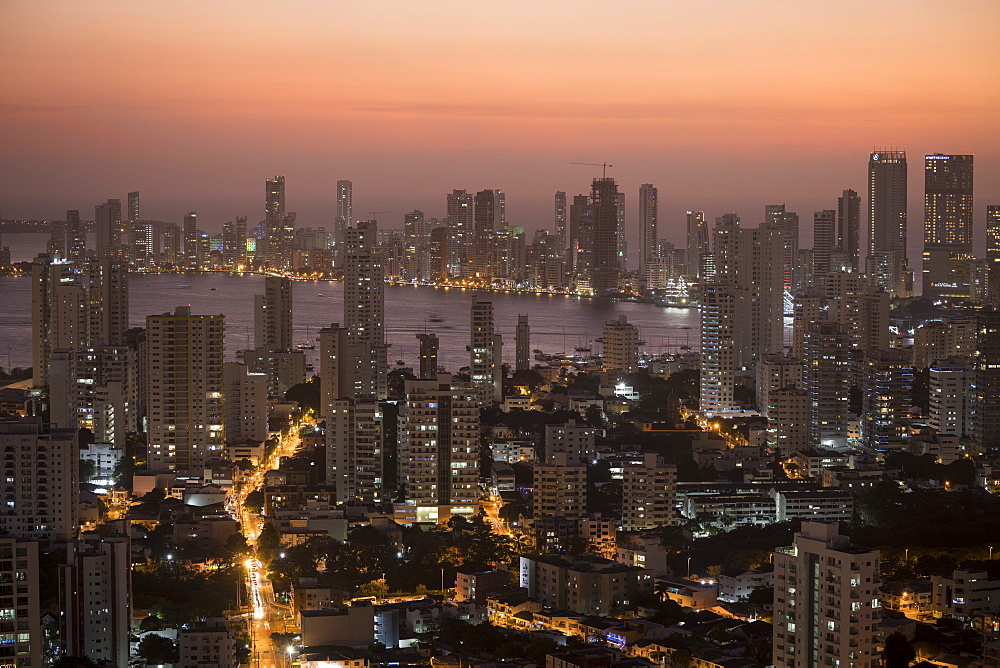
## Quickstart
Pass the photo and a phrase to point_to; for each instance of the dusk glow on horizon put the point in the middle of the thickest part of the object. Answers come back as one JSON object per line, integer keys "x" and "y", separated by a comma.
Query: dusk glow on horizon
{"x": 725, "y": 106}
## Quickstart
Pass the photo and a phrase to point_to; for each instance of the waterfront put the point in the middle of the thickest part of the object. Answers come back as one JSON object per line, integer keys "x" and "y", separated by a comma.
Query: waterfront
{"x": 558, "y": 323}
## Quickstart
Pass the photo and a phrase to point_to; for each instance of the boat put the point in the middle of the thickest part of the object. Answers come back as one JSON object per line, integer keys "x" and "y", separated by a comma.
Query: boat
{"x": 434, "y": 317}
{"x": 308, "y": 345}
{"x": 211, "y": 289}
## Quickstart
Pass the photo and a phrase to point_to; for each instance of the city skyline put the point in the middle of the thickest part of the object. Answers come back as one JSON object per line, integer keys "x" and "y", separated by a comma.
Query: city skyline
{"x": 406, "y": 121}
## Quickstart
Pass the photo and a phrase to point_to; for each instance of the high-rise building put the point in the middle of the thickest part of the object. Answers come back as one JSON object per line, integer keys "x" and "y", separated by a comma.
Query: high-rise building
{"x": 824, "y": 242}
{"x": 107, "y": 294}
{"x": 96, "y": 388}
{"x": 522, "y": 337}
{"x": 140, "y": 234}
{"x": 415, "y": 266}
{"x": 19, "y": 568}
{"x": 272, "y": 315}
{"x": 621, "y": 346}
{"x": 886, "y": 400}
{"x": 274, "y": 215}
{"x": 826, "y": 376}
{"x": 993, "y": 232}
{"x": 888, "y": 267}
{"x": 947, "y": 224}
{"x": 246, "y": 404}
{"x": 234, "y": 244}
{"x": 559, "y": 502}
{"x": 622, "y": 240}
{"x": 849, "y": 230}
{"x": 581, "y": 224}
{"x": 56, "y": 245}
{"x": 718, "y": 374}
{"x": 485, "y": 353}
{"x": 345, "y": 216}
{"x": 429, "y": 345}
{"x": 460, "y": 207}
{"x": 986, "y": 379}
{"x": 192, "y": 242}
{"x": 334, "y": 367}
{"x": 354, "y": 434}
{"x": 439, "y": 448}
{"x": 108, "y": 221}
{"x": 184, "y": 390}
{"x": 826, "y": 601}
{"x": 606, "y": 264}
{"x": 788, "y": 417}
{"x": 488, "y": 219}
{"x": 364, "y": 313}
{"x": 949, "y": 381}
{"x": 777, "y": 218}
{"x": 76, "y": 241}
{"x": 40, "y": 482}
{"x": 648, "y": 219}
{"x": 95, "y": 594}
{"x": 560, "y": 219}
{"x": 698, "y": 248}
{"x": 773, "y": 373}
{"x": 59, "y": 317}
{"x": 649, "y": 491}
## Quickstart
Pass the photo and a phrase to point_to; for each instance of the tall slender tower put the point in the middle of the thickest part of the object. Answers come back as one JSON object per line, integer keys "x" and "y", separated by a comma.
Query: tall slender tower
{"x": 108, "y": 219}
{"x": 888, "y": 267}
{"x": 192, "y": 246}
{"x": 488, "y": 219}
{"x": 460, "y": 207}
{"x": 824, "y": 241}
{"x": 523, "y": 341}
{"x": 485, "y": 351}
{"x": 273, "y": 315}
{"x": 364, "y": 312}
{"x": 345, "y": 216}
{"x": 698, "y": 247}
{"x": 849, "y": 229}
{"x": 274, "y": 215}
{"x": 76, "y": 242}
{"x": 606, "y": 267}
{"x": 947, "y": 224}
{"x": 718, "y": 378}
{"x": 993, "y": 232}
{"x": 560, "y": 219}
{"x": 648, "y": 216}
{"x": 777, "y": 218}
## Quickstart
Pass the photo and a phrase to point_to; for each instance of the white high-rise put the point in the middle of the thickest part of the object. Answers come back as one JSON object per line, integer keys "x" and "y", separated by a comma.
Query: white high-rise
{"x": 648, "y": 218}
{"x": 826, "y": 601}
{"x": 272, "y": 315}
{"x": 485, "y": 350}
{"x": 354, "y": 434}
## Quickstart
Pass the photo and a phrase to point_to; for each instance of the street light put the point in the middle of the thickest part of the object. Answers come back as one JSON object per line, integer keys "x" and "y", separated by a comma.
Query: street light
{"x": 689, "y": 566}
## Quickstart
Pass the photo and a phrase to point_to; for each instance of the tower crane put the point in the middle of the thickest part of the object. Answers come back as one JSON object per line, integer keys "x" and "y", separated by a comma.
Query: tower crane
{"x": 603, "y": 165}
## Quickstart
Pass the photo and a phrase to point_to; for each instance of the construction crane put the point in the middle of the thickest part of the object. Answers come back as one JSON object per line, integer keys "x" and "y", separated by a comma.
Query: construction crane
{"x": 602, "y": 165}
{"x": 372, "y": 214}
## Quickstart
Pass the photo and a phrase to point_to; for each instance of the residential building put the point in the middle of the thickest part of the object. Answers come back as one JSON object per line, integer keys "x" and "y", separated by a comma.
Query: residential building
{"x": 429, "y": 345}
{"x": 698, "y": 248}
{"x": 486, "y": 353}
{"x": 560, "y": 220}
{"x": 949, "y": 381}
{"x": 621, "y": 346}
{"x": 583, "y": 583}
{"x": 648, "y": 494}
{"x": 108, "y": 221}
{"x": 964, "y": 594}
{"x": 205, "y": 643}
{"x": 522, "y": 358}
{"x": 95, "y": 594}
{"x": 439, "y": 448}
{"x": 345, "y": 217}
{"x": 648, "y": 218}
{"x": 364, "y": 313}
{"x": 23, "y": 616}
{"x": 577, "y": 440}
{"x": 789, "y": 414}
{"x": 886, "y": 400}
{"x": 849, "y": 230}
{"x": 826, "y": 377}
{"x": 272, "y": 316}
{"x": 826, "y": 601}
{"x": 718, "y": 377}
{"x": 354, "y": 433}
{"x": 986, "y": 381}
{"x": 245, "y": 405}
{"x": 41, "y": 483}
{"x": 184, "y": 357}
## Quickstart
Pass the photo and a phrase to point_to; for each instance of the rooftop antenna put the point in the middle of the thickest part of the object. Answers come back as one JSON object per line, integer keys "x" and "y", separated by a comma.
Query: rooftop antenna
{"x": 603, "y": 165}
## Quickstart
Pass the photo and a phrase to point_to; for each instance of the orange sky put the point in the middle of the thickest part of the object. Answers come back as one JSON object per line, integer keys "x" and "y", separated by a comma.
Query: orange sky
{"x": 723, "y": 104}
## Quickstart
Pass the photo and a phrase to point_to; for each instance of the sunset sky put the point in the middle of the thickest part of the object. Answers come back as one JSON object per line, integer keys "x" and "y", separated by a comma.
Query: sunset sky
{"x": 722, "y": 104}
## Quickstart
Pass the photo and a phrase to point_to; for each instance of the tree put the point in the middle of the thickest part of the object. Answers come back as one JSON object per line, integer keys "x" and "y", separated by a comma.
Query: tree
{"x": 539, "y": 649}
{"x": 898, "y": 652}
{"x": 74, "y": 662}
{"x": 268, "y": 542}
{"x": 305, "y": 394}
{"x": 377, "y": 588}
{"x": 681, "y": 658}
{"x": 151, "y": 623}
{"x": 254, "y": 501}
{"x": 157, "y": 649}
{"x": 88, "y": 470}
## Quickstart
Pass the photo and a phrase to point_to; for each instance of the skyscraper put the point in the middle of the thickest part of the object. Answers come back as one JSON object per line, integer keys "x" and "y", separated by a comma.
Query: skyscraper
{"x": 274, "y": 214}
{"x": 192, "y": 242}
{"x": 826, "y": 601}
{"x": 648, "y": 217}
{"x": 698, "y": 247}
{"x": 849, "y": 229}
{"x": 947, "y": 224}
{"x": 107, "y": 295}
{"x": 888, "y": 267}
{"x": 523, "y": 344}
{"x": 459, "y": 210}
{"x": 606, "y": 266}
{"x": 488, "y": 219}
{"x": 886, "y": 400}
{"x": 76, "y": 242}
{"x": 824, "y": 242}
{"x": 485, "y": 353}
{"x": 364, "y": 312}
{"x": 184, "y": 390}
{"x": 718, "y": 321}
{"x": 993, "y": 232}
{"x": 777, "y": 218}
{"x": 345, "y": 216}
{"x": 826, "y": 377}
{"x": 108, "y": 220}
{"x": 560, "y": 219}
{"x": 354, "y": 433}
{"x": 986, "y": 381}
{"x": 273, "y": 315}
{"x": 19, "y": 563}
{"x": 234, "y": 244}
